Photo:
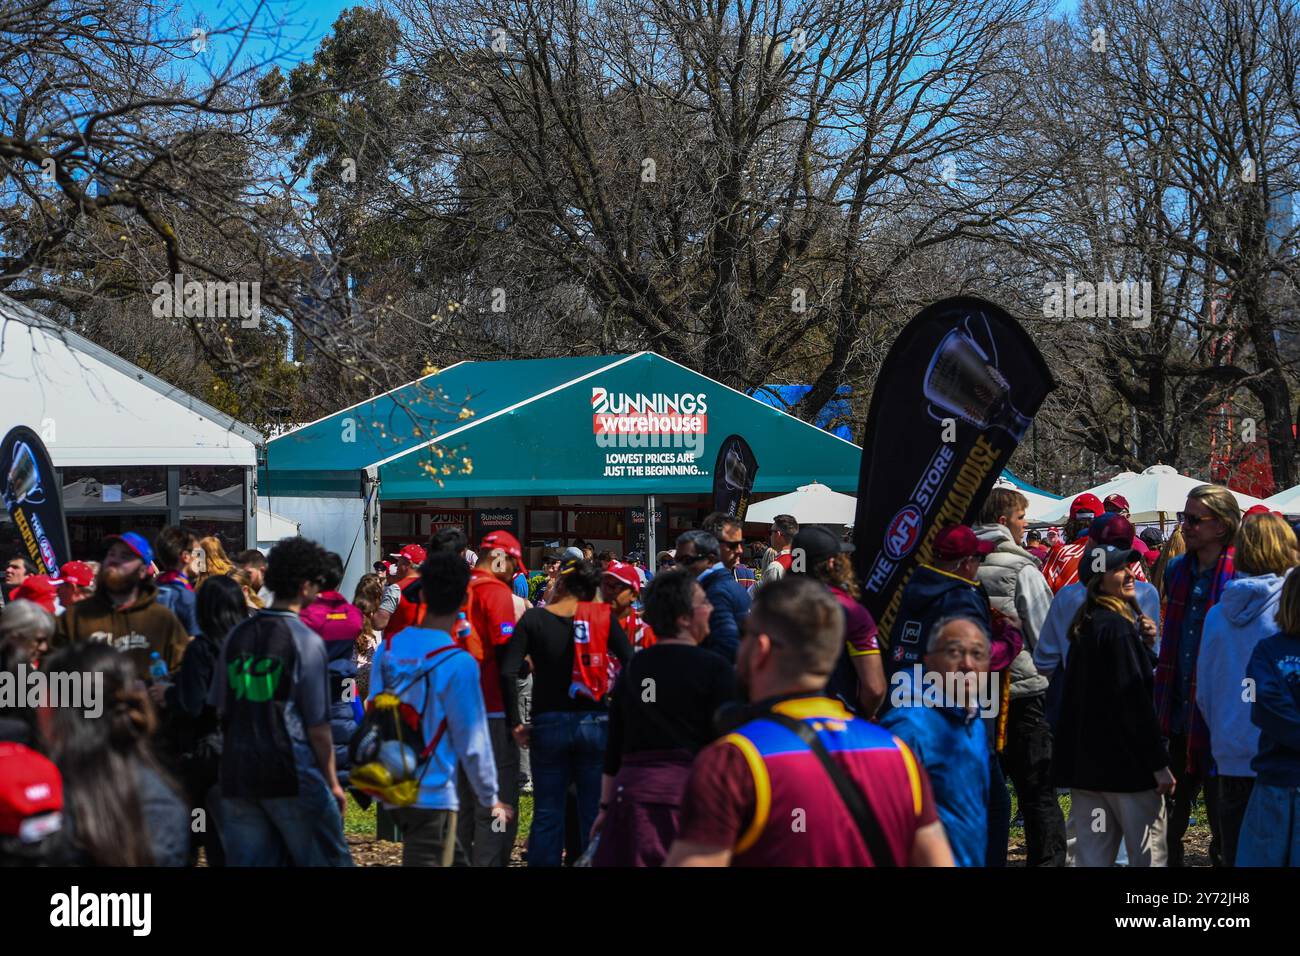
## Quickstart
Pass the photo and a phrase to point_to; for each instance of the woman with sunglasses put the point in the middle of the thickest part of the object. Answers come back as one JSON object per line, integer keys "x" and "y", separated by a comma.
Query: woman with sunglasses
{"x": 1193, "y": 585}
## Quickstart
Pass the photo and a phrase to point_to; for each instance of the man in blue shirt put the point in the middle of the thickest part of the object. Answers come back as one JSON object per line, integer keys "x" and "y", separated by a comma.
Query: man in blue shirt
{"x": 698, "y": 553}
{"x": 945, "y": 733}
{"x": 427, "y": 670}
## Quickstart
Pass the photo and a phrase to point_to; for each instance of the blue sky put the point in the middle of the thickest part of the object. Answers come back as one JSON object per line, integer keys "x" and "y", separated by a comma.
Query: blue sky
{"x": 299, "y": 25}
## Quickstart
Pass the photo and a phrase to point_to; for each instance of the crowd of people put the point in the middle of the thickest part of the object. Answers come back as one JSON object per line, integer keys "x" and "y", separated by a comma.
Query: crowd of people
{"x": 734, "y": 706}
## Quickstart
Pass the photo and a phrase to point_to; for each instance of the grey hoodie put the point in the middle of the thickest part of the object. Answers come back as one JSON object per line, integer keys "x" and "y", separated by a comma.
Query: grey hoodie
{"x": 1016, "y": 587}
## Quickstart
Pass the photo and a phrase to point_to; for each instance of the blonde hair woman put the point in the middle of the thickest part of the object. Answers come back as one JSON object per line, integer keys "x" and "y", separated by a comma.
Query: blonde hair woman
{"x": 244, "y": 579}
{"x": 1173, "y": 548}
{"x": 215, "y": 561}
{"x": 1193, "y": 584}
{"x": 1245, "y": 615}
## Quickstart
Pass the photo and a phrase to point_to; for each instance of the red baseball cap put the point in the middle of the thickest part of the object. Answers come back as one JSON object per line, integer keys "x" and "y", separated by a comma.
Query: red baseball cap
{"x": 1119, "y": 501}
{"x": 411, "y": 552}
{"x": 504, "y": 541}
{"x": 77, "y": 572}
{"x": 1086, "y": 503}
{"x": 39, "y": 589}
{"x": 625, "y": 573}
{"x": 31, "y": 794}
{"x": 1261, "y": 510}
{"x": 1112, "y": 528}
{"x": 959, "y": 541}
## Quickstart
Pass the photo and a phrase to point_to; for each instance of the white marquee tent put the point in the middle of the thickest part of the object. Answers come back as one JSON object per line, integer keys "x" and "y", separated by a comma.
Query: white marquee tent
{"x": 95, "y": 410}
{"x": 1154, "y": 496}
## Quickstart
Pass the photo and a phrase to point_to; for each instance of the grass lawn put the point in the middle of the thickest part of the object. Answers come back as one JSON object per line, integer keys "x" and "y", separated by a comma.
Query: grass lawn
{"x": 358, "y": 822}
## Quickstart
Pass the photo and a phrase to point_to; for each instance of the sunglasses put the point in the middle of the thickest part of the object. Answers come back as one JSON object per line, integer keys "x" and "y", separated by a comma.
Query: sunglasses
{"x": 733, "y": 545}
{"x": 1193, "y": 521}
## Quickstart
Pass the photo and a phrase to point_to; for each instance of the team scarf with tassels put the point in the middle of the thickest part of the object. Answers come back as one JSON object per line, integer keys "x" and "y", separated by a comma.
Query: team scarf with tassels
{"x": 1178, "y": 588}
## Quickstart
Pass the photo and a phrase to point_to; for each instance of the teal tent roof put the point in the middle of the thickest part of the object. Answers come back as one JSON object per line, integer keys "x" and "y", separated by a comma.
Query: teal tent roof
{"x": 529, "y": 427}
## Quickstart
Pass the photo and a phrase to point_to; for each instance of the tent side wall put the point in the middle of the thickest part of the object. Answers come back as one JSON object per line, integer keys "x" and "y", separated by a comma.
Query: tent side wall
{"x": 336, "y": 524}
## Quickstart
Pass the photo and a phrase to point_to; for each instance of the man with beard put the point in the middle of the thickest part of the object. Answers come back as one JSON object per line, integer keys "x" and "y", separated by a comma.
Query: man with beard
{"x": 124, "y": 610}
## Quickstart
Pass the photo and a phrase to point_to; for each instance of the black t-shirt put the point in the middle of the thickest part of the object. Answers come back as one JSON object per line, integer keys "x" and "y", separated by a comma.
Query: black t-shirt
{"x": 548, "y": 639}
{"x": 675, "y": 712}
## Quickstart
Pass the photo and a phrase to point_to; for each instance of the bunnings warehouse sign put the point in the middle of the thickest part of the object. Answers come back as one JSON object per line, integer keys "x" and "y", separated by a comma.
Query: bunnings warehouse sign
{"x": 644, "y": 425}
{"x": 656, "y": 435}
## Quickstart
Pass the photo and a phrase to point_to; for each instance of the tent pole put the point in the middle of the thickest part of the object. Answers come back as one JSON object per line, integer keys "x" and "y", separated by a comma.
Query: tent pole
{"x": 650, "y": 548}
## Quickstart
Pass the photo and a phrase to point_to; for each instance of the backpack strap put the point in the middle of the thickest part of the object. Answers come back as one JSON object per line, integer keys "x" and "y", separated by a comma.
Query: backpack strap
{"x": 854, "y": 799}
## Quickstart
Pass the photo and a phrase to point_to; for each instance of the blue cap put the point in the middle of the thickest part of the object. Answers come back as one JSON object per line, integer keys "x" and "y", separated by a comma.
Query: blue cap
{"x": 136, "y": 543}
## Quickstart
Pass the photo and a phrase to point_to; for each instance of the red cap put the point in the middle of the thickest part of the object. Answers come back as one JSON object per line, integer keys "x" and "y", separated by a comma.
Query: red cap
{"x": 1112, "y": 528}
{"x": 1119, "y": 501}
{"x": 77, "y": 572}
{"x": 1259, "y": 510}
{"x": 959, "y": 541}
{"x": 1086, "y": 503}
{"x": 411, "y": 552}
{"x": 38, "y": 588}
{"x": 625, "y": 573}
{"x": 30, "y": 789}
{"x": 504, "y": 541}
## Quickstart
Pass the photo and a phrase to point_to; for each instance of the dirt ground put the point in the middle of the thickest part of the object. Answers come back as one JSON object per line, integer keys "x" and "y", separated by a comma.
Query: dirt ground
{"x": 368, "y": 851}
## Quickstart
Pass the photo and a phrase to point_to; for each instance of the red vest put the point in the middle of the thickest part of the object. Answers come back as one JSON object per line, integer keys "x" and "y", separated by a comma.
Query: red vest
{"x": 591, "y": 623}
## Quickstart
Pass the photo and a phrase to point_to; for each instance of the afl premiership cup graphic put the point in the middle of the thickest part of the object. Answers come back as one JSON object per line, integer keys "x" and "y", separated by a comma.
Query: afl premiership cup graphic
{"x": 962, "y": 381}
{"x": 24, "y": 484}
{"x": 735, "y": 472}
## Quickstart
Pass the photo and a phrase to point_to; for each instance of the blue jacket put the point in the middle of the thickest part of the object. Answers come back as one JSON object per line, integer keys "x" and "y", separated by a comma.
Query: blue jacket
{"x": 954, "y": 749}
{"x": 179, "y": 599}
{"x": 1242, "y": 618}
{"x": 930, "y": 595}
{"x": 1275, "y": 668}
{"x": 730, "y": 608}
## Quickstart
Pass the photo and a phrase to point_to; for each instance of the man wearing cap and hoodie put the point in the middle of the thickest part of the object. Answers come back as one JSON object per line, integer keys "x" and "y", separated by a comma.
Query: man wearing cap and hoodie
{"x": 1065, "y": 556}
{"x": 124, "y": 610}
{"x": 620, "y": 586}
{"x": 490, "y": 611}
{"x": 1016, "y": 587}
{"x": 397, "y": 609}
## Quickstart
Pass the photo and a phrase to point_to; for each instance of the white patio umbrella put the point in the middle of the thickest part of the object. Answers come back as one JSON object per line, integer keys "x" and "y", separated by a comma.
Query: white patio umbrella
{"x": 1055, "y": 511}
{"x": 1287, "y": 502}
{"x": 1156, "y": 495}
{"x": 1036, "y": 502}
{"x": 811, "y": 504}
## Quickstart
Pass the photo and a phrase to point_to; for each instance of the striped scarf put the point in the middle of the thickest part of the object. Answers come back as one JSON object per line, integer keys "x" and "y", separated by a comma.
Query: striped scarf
{"x": 1178, "y": 587}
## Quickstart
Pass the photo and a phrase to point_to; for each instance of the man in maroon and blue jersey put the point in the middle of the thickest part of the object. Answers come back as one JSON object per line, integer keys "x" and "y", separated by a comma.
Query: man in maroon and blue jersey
{"x": 761, "y": 796}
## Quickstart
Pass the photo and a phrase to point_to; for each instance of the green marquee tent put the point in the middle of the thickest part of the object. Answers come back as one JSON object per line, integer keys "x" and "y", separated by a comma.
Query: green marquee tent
{"x": 602, "y": 425}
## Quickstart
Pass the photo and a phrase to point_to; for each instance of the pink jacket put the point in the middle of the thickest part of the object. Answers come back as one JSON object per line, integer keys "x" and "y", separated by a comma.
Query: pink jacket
{"x": 333, "y": 617}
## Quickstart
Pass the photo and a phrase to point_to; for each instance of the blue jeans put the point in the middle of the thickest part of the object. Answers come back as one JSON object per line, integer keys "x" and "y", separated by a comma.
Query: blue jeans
{"x": 567, "y": 747}
{"x": 305, "y": 830}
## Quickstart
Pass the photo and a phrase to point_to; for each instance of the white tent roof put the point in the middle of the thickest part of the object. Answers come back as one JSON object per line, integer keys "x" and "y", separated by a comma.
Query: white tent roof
{"x": 1159, "y": 493}
{"x": 811, "y": 504}
{"x": 93, "y": 408}
{"x": 271, "y": 527}
{"x": 1287, "y": 502}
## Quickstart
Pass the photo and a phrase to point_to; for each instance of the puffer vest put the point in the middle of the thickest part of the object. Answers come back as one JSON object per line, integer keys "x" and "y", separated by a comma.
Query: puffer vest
{"x": 998, "y": 575}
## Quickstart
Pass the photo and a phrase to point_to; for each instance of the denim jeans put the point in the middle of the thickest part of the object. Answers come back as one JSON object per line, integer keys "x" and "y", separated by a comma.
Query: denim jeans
{"x": 568, "y": 747}
{"x": 305, "y": 830}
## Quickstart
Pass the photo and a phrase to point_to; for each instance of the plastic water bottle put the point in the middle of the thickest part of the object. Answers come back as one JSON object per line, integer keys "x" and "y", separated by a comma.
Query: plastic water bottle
{"x": 589, "y": 854}
{"x": 462, "y": 629}
{"x": 157, "y": 667}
